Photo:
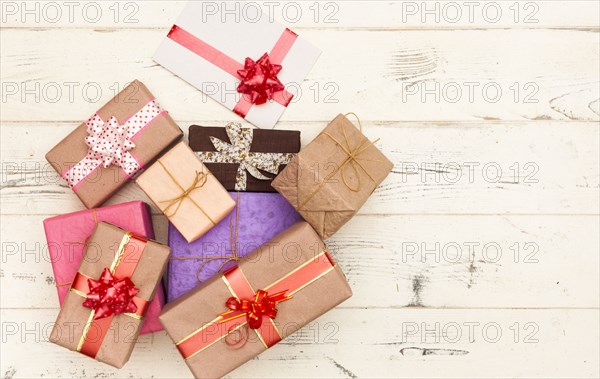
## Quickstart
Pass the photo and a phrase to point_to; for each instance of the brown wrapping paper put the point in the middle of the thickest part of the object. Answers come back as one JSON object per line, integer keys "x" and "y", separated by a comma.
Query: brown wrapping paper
{"x": 263, "y": 141}
{"x": 267, "y": 264}
{"x": 161, "y": 133}
{"x": 166, "y": 181}
{"x": 120, "y": 339}
{"x": 325, "y": 184}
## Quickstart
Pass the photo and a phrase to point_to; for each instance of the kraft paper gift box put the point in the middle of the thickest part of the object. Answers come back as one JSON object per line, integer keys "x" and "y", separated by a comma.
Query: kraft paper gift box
{"x": 68, "y": 234}
{"x": 100, "y": 155}
{"x": 295, "y": 281}
{"x": 256, "y": 219}
{"x": 333, "y": 176}
{"x": 244, "y": 159}
{"x": 103, "y": 311}
{"x": 186, "y": 192}
{"x": 246, "y": 65}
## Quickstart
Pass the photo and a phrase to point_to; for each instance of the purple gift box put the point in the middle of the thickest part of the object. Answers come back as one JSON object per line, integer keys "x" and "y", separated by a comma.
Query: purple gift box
{"x": 255, "y": 220}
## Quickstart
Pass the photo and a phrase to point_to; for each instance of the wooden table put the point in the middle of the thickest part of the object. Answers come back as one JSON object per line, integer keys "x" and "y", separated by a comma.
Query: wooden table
{"x": 477, "y": 257}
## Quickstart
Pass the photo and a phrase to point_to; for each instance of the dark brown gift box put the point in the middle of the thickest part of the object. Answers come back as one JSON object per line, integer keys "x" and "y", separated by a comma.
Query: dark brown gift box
{"x": 269, "y": 263}
{"x": 156, "y": 137}
{"x": 121, "y": 336}
{"x": 263, "y": 141}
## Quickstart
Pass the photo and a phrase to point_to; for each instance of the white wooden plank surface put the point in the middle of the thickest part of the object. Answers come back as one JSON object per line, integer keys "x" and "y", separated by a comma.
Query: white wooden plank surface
{"x": 408, "y": 75}
{"x": 399, "y": 261}
{"x": 542, "y": 217}
{"x": 351, "y": 343}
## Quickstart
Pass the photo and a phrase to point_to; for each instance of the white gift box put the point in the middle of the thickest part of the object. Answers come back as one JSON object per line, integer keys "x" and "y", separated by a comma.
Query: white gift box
{"x": 206, "y": 49}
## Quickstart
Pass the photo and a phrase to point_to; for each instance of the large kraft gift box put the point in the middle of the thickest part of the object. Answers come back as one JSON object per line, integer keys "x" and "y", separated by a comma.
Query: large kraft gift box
{"x": 333, "y": 176}
{"x": 256, "y": 219}
{"x": 287, "y": 282}
{"x": 244, "y": 159}
{"x": 186, "y": 192}
{"x": 127, "y": 133}
{"x": 68, "y": 234}
{"x": 103, "y": 312}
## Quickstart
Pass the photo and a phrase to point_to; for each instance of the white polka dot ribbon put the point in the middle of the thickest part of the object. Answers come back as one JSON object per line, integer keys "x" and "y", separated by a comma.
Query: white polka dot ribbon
{"x": 110, "y": 143}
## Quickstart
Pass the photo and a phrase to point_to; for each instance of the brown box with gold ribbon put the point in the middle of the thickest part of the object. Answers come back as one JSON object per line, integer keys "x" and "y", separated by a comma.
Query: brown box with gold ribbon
{"x": 271, "y": 293}
{"x": 333, "y": 176}
{"x": 186, "y": 192}
{"x": 244, "y": 159}
{"x": 104, "y": 309}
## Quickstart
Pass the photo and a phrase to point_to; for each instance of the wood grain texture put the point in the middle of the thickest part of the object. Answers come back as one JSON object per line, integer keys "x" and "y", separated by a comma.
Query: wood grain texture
{"x": 400, "y": 261}
{"x": 458, "y": 269}
{"x": 390, "y": 76}
{"x": 391, "y": 343}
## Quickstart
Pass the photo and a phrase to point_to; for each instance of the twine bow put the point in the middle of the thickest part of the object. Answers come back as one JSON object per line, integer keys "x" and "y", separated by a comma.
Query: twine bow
{"x": 199, "y": 181}
{"x": 352, "y": 160}
{"x": 238, "y": 152}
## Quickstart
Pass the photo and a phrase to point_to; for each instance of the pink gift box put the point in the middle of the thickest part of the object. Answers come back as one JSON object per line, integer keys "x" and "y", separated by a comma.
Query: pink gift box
{"x": 66, "y": 236}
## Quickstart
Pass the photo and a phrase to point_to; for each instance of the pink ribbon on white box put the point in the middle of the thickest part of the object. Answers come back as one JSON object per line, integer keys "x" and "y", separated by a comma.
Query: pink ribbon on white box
{"x": 258, "y": 78}
{"x": 110, "y": 143}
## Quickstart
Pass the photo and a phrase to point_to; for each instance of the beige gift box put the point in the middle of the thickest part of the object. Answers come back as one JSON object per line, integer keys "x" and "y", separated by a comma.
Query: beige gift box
{"x": 186, "y": 192}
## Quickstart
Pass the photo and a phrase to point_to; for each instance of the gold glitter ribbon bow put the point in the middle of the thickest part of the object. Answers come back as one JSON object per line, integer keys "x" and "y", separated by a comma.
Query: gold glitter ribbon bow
{"x": 238, "y": 152}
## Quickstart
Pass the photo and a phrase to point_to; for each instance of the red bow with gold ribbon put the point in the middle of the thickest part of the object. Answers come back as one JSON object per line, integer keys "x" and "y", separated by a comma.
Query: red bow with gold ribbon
{"x": 257, "y": 314}
{"x": 113, "y": 293}
{"x": 109, "y": 296}
{"x": 259, "y": 79}
{"x": 254, "y": 310}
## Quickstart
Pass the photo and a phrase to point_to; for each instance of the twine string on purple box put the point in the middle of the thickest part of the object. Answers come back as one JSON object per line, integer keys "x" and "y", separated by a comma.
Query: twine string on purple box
{"x": 233, "y": 240}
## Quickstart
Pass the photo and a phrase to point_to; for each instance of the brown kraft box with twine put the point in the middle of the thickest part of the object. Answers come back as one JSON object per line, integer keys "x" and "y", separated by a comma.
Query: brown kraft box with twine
{"x": 186, "y": 192}
{"x": 110, "y": 339}
{"x": 296, "y": 262}
{"x": 156, "y": 136}
{"x": 333, "y": 176}
{"x": 244, "y": 159}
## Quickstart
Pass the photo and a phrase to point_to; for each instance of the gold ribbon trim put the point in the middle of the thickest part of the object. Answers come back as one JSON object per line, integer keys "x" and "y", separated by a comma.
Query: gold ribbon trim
{"x": 217, "y": 319}
{"x": 113, "y": 266}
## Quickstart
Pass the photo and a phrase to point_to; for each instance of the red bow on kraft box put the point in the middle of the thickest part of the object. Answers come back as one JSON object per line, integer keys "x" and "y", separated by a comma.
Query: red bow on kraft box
{"x": 243, "y": 64}
{"x": 104, "y": 308}
{"x": 112, "y": 294}
{"x": 274, "y": 291}
{"x": 243, "y": 294}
